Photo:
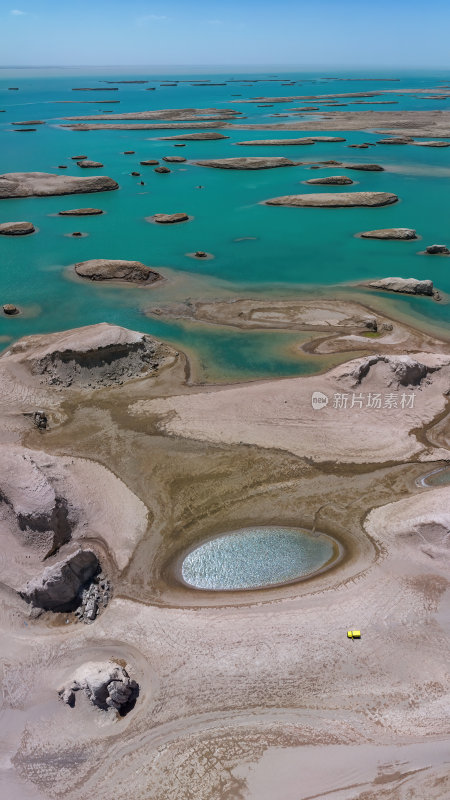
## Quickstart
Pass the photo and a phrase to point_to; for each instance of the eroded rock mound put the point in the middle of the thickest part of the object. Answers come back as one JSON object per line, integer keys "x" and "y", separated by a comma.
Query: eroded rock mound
{"x": 437, "y": 250}
{"x": 93, "y": 597}
{"x": 272, "y": 142}
{"x": 332, "y": 180}
{"x": 404, "y": 285}
{"x": 436, "y": 143}
{"x": 44, "y": 184}
{"x": 390, "y": 233}
{"x": 102, "y": 269}
{"x": 365, "y": 167}
{"x": 174, "y": 159}
{"x": 167, "y": 219}
{"x": 255, "y": 162}
{"x": 16, "y": 228}
{"x": 299, "y": 141}
{"x": 201, "y": 136}
{"x": 42, "y": 517}
{"x": 100, "y": 354}
{"x": 341, "y": 200}
{"x": 87, "y": 164}
{"x": 80, "y": 212}
{"x": 59, "y": 586}
{"x": 329, "y": 138}
{"x": 106, "y": 684}
{"x": 10, "y": 310}
{"x": 396, "y": 140}
{"x": 398, "y": 370}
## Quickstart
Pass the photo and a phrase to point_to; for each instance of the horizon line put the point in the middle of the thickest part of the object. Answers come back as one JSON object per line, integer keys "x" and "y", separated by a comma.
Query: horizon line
{"x": 228, "y": 66}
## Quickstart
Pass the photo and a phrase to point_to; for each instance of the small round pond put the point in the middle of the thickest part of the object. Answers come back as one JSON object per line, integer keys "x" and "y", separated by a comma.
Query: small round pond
{"x": 255, "y": 558}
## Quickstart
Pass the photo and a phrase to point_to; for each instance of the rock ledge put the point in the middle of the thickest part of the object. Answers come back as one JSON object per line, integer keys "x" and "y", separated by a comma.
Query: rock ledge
{"x": 340, "y": 200}
{"x": 45, "y": 184}
{"x": 404, "y": 285}
{"x": 59, "y": 586}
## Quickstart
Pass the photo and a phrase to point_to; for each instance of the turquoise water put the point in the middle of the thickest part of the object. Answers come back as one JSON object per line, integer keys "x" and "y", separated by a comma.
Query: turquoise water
{"x": 294, "y": 250}
{"x": 255, "y": 558}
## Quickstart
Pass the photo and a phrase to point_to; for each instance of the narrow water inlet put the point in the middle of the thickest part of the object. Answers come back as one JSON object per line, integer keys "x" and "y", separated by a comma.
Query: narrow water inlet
{"x": 257, "y": 558}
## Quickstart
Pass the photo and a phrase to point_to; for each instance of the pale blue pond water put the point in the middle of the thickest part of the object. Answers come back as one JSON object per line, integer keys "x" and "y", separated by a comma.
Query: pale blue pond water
{"x": 256, "y": 558}
{"x": 439, "y": 477}
{"x": 293, "y": 249}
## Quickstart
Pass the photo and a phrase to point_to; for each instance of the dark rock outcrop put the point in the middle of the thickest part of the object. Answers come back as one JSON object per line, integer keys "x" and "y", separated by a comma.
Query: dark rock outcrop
{"x": 174, "y": 159}
{"x": 10, "y": 310}
{"x": 365, "y": 167}
{"x": 40, "y": 420}
{"x": 107, "y": 685}
{"x": 396, "y": 140}
{"x": 333, "y": 180}
{"x": 94, "y": 597}
{"x": 59, "y": 586}
{"x": 437, "y": 250}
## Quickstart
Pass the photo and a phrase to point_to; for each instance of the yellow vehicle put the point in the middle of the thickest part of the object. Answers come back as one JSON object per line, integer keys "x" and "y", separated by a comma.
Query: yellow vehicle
{"x": 354, "y": 634}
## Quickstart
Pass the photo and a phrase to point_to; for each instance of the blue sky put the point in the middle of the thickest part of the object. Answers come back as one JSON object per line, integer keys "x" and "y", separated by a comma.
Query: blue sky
{"x": 317, "y": 33}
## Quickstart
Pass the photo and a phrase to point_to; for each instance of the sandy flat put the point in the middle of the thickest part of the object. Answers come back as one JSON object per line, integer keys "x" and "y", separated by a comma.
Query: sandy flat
{"x": 279, "y": 414}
